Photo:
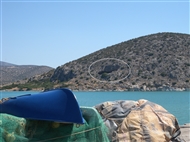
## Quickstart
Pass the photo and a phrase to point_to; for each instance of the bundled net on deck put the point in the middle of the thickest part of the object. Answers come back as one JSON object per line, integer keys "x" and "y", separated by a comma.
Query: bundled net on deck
{"x": 12, "y": 129}
{"x": 15, "y": 129}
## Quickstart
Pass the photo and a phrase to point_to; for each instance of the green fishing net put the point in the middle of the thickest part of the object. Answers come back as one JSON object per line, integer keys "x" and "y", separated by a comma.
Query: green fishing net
{"x": 15, "y": 129}
{"x": 12, "y": 129}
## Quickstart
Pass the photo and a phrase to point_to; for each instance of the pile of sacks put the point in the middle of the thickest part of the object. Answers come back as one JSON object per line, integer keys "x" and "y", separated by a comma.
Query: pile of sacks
{"x": 139, "y": 121}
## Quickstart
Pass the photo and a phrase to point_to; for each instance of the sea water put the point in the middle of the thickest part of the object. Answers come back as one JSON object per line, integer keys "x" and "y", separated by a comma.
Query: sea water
{"x": 177, "y": 103}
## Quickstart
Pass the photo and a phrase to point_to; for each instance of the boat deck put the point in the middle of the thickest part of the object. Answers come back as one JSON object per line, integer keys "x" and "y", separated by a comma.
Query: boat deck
{"x": 185, "y": 132}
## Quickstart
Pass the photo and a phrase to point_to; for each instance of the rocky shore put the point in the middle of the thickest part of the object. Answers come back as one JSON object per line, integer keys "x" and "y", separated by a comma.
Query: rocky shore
{"x": 101, "y": 90}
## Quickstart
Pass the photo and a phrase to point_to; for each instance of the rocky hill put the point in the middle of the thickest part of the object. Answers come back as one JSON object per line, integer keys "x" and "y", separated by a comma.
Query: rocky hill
{"x": 158, "y": 61}
{"x": 11, "y": 73}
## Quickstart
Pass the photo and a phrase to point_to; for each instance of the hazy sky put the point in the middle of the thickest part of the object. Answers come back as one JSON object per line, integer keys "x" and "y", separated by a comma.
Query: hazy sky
{"x": 53, "y": 33}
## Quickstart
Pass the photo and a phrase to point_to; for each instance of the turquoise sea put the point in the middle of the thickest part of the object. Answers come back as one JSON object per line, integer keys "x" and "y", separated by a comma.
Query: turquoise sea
{"x": 177, "y": 103}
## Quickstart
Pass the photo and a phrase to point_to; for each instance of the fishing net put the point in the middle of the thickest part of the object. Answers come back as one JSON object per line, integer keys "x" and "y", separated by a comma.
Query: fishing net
{"x": 15, "y": 129}
{"x": 12, "y": 129}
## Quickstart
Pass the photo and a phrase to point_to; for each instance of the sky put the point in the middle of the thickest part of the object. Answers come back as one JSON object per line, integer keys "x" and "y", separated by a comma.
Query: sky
{"x": 53, "y": 33}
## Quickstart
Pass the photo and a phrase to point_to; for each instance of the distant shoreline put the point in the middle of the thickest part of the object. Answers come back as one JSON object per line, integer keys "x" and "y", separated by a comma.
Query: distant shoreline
{"x": 100, "y": 90}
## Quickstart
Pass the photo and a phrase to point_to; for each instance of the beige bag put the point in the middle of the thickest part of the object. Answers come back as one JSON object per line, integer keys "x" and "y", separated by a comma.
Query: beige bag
{"x": 139, "y": 121}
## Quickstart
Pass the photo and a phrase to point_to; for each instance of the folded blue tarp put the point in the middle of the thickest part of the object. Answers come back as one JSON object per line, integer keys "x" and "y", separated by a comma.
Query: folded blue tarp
{"x": 58, "y": 105}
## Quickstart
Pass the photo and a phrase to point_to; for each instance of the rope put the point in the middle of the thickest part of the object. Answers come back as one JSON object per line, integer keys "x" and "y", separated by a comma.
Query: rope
{"x": 69, "y": 135}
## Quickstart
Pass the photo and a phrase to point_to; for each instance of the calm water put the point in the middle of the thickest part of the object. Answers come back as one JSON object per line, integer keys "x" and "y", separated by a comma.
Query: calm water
{"x": 177, "y": 103}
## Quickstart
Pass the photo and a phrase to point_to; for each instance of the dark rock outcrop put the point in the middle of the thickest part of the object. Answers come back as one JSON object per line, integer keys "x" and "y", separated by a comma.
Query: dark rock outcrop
{"x": 62, "y": 75}
{"x": 109, "y": 69}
